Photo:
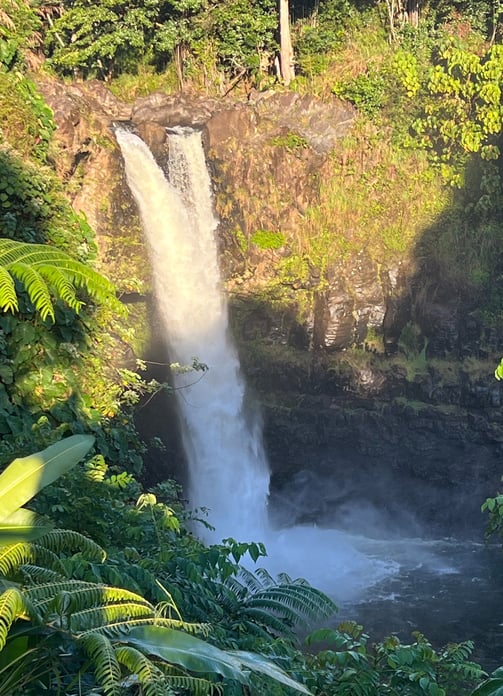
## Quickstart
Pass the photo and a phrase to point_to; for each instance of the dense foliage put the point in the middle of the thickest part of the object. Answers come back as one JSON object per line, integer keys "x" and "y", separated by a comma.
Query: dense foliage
{"x": 150, "y": 609}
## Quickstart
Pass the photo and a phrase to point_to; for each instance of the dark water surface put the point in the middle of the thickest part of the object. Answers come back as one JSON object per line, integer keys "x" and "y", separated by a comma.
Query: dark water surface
{"x": 448, "y": 590}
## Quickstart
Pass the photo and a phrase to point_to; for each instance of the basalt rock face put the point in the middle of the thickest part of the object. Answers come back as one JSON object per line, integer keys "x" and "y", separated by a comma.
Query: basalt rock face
{"x": 417, "y": 440}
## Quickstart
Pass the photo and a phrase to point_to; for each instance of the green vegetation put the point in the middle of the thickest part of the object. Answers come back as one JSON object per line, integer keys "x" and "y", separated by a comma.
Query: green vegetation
{"x": 265, "y": 239}
{"x": 107, "y": 632}
{"x": 150, "y": 609}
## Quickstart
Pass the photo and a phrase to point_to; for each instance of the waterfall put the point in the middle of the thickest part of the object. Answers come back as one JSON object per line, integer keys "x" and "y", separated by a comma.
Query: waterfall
{"x": 228, "y": 471}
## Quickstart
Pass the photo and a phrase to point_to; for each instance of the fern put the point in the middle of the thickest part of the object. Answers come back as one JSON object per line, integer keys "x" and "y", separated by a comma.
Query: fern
{"x": 68, "y": 540}
{"x": 273, "y": 605}
{"x": 8, "y": 295}
{"x": 15, "y": 555}
{"x": 150, "y": 677}
{"x": 196, "y": 686}
{"x": 45, "y": 272}
{"x": 12, "y": 606}
{"x": 35, "y": 286}
{"x": 107, "y": 615}
{"x": 37, "y": 574}
{"x": 106, "y": 666}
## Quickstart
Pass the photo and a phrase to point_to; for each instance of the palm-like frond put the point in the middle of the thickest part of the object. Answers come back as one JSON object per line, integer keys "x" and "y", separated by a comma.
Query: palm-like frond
{"x": 84, "y": 608}
{"x": 12, "y": 606}
{"x": 83, "y": 594}
{"x": 295, "y": 602}
{"x": 106, "y": 666}
{"x": 34, "y": 574}
{"x": 106, "y": 619}
{"x": 194, "y": 685}
{"x": 151, "y": 678}
{"x": 35, "y": 286}
{"x": 8, "y": 292}
{"x": 46, "y": 271}
{"x": 58, "y": 540}
{"x": 274, "y": 605}
{"x": 15, "y": 555}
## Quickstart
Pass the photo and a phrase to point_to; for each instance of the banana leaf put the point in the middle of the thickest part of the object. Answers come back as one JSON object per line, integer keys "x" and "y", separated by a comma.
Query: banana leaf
{"x": 22, "y": 525}
{"x": 258, "y": 663}
{"x": 24, "y": 477}
{"x": 186, "y": 651}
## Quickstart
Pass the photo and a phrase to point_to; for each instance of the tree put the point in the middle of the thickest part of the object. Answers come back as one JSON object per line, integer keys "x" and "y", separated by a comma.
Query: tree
{"x": 286, "y": 51}
{"x": 413, "y": 12}
{"x": 401, "y": 12}
{"x": 104, "y": 38}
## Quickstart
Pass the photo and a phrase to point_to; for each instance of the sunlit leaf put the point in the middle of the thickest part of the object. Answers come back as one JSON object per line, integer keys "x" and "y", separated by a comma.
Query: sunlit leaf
{"x": 24, "y": 477}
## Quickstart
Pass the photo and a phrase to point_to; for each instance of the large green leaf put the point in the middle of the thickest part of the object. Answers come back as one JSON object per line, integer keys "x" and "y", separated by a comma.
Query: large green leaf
{"x": 258, "y": 663}
{"x": 24, "y": 477}
{"x": 22, "y": 525}
{"x": 491, "y": 687}
{"x": 193, "y": 654}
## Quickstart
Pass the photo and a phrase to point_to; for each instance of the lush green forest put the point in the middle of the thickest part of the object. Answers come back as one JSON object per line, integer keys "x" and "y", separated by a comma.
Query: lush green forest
{"x": 104, "y": 590}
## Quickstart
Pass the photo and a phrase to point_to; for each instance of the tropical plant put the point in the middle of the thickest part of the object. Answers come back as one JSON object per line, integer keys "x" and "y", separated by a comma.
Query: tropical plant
{"x": 460, "y": 105}
{"x": 119, "y": 631}
{"x": 25, "y": 477}
{"x": 389, "y": 668}
{"x": 44, "y": 272}
{"x": 103, "y": 38}
{"x": 269, "y": 607}
{"x": 492, "y": 686}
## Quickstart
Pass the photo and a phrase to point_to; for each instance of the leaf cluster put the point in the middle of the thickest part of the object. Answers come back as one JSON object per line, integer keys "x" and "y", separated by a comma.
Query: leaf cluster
{"x": 389, "y": 668}
{"x": 108, "y": 634}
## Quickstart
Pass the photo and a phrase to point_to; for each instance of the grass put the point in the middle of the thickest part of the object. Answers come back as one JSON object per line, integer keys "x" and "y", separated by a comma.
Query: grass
{"x": 146, "y": 81}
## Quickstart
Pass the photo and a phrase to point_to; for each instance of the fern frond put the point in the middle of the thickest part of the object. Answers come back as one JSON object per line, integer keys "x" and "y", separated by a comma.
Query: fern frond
{"x": 87, "y": 620}
{"x": 68, "y": 540}
{"x": 299, "y": 602}
{"x": 8, "y": 295}
{"x": 15, "y": 555}
{"x": 41, "y": 268}
{"x": 268, "y": 580}
{"x": 12, "y": 606}
{"x": 35, "y": 286}
{"x": 113, "y": 628}
{"x": 197, "y": 686}
{"x": 62, "y": 286}
{"x": 106, "y": 666}
{"x": 83, "y": 595}
{"x": 34, "y": 574}
{"x": 266, "y": 622}
{"x": 150, "y": 677}
{"x": 254, "y": 581}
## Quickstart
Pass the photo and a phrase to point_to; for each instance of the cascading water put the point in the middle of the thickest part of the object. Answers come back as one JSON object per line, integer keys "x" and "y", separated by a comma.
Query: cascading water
{"x": 228, "y": 470}
{"x": 227, "y": 467}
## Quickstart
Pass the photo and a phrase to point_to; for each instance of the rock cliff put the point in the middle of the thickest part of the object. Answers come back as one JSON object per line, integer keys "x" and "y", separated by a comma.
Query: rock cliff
{"x": 411, "y": 424}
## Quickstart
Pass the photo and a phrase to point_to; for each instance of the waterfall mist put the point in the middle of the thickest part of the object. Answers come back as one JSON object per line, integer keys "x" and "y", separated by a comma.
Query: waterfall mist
{"x": 228, "y": 470}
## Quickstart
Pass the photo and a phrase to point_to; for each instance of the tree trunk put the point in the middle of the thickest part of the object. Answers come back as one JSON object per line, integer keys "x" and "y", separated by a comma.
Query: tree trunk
{"x": 178, "y": 57}
{"x": 413, "y": 12}
{"x": 286, "y": 50}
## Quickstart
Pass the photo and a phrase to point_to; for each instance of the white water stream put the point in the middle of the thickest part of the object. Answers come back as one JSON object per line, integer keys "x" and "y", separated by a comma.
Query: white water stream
{"x": 229, "y": 473}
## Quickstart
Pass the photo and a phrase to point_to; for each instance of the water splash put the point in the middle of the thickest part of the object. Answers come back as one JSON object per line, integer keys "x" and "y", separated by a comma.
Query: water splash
{"x": 222, "y": 435}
